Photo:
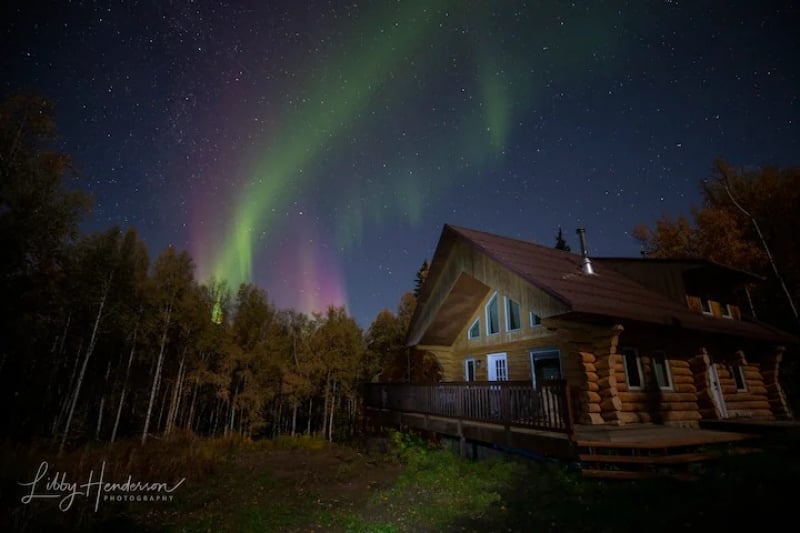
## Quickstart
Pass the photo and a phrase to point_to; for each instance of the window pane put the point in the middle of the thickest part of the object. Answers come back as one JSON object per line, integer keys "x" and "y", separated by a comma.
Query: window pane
{"x": 475, "y": 330}
{"x": 630, "y": 358}
{"x": 738, "y": 377}
{"x": 501, "y": 370}
{"x": 535, "y": 319}
{"x": 512, "y": 315}
{"x": 470, "y": 371}
{"x": 660, "y": 370}
{"x": 492, "y": 317}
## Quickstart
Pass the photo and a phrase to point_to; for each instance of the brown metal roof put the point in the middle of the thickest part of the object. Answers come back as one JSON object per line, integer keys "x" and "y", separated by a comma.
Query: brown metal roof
{"x": 607, "y": 293}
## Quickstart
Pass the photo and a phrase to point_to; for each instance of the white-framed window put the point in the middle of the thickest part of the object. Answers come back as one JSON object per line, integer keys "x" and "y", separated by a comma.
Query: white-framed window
{"x": 705, "y": 306}
{"x": 661, "y": 370}
{"x": 492, "y": 316}
{"x": 633, "y": 368}
{"x": 469, "y": 369}
{"x": 726, "y": 311}
{"x": 535, "y": 320}
{"x": 737, "y": 373}
{"x": 475, "y": 329}
{"x": 513, "y": 322}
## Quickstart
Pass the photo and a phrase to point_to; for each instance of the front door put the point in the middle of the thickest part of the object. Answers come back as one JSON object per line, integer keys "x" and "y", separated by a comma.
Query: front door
{"x": 716, "y": 391}
{"x": 498, "y": 367}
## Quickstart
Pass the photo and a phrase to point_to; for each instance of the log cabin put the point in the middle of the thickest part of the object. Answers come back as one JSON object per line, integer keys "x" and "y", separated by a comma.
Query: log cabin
{"x": 634, "y": 340}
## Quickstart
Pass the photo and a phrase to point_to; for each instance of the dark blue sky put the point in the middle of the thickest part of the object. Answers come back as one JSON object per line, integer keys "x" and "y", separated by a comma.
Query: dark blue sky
{"x": 328, "y": 142}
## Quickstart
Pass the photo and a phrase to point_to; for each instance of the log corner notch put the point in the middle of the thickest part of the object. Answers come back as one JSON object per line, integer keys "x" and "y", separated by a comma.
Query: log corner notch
{"x": 699, "y": 365}
{"x": 609, "y": 364}
{"x": 770, "y": 370}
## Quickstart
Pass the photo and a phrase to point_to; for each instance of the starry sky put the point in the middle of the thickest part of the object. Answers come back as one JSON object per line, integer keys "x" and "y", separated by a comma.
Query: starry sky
{"x": 316, "y": 148}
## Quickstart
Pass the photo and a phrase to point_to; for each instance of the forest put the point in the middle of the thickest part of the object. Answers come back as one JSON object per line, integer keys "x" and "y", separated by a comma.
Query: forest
{"x": 100, "y": 342}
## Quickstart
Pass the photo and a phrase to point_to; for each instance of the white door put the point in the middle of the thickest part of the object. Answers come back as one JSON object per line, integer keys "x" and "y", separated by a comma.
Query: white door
{"x": 716, "y": 391}
{"x": 498, "y": 367}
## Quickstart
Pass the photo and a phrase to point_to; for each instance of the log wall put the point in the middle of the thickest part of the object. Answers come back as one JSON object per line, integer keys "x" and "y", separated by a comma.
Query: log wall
{"x": 769, "y": 367}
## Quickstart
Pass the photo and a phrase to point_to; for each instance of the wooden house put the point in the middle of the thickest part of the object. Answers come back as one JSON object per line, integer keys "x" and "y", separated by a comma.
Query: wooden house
{"x": 589, "y": 342}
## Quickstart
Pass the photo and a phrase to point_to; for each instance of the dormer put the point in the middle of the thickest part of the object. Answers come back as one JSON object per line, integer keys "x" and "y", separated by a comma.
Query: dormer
{"x": 706, "y": 287}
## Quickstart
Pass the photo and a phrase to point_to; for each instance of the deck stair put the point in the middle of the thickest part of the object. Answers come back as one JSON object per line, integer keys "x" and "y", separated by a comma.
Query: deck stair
{"x": 648, "y": 459}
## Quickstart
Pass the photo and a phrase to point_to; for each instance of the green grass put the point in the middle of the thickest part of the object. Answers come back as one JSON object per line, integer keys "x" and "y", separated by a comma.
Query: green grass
{"x": 309, "y": 485}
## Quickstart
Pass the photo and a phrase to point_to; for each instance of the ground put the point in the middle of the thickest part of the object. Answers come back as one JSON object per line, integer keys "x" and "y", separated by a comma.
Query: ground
{"x": 310, "y": 485}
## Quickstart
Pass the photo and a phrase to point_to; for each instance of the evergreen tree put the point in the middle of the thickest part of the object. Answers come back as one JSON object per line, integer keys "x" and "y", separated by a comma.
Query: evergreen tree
{"x": 561, "y": 243}
{"x": 422, "y": 275}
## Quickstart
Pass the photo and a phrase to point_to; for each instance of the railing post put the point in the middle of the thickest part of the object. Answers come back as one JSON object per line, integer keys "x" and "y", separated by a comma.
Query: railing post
{"x": 567, "y": 396}
{"x": 505, "y": 405}
{"x": 460, "y": 404}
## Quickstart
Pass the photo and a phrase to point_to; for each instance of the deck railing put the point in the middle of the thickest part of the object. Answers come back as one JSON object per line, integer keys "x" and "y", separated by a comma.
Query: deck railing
{"x": 511, "y": 403}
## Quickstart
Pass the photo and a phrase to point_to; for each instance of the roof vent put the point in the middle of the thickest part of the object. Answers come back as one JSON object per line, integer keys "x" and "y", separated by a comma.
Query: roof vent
{"x": 586, "y": 263}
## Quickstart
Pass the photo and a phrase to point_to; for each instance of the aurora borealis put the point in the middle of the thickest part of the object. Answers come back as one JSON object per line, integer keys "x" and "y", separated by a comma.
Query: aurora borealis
{"x": 317, "y": 148}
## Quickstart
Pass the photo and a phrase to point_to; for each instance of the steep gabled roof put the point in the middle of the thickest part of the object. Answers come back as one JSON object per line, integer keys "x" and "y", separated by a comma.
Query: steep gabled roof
{"x": 607, "y": 293}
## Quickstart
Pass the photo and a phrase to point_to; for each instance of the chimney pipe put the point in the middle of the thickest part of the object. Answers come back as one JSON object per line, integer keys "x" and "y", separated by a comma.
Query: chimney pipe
{"x": 586, "y": 263}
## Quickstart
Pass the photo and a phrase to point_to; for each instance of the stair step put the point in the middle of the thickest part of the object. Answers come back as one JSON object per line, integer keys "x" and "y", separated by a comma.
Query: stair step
{"x": 634, "y": 474}
{"x": 678, "y": 458}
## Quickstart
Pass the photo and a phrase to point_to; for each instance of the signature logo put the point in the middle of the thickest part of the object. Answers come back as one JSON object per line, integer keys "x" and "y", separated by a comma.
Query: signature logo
{"x": 47, "y": 486}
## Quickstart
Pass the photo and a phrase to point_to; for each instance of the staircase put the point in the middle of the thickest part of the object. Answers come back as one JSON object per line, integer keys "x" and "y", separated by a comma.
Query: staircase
{"x": 641, "y": 460}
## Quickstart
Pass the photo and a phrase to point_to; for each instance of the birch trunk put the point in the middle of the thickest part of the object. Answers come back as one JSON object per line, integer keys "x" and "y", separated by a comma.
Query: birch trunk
{"x": 161, "y": 410}
{"x": 157, "y": 374}
{"x": 190, "y": 418}
{"x": 333, "y": 408}
{"x": 62, "y": 412}
{"x": 125, "y": 382}
{"x": 325, "y": 407}
{"x": 102, "y": 405}
{"x": 173, "y": 405}
{"x": 89, "y": 350}
{"x": 308, "y": 423}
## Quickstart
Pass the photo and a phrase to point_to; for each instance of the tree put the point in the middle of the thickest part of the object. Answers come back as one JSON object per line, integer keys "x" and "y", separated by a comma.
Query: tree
{"x": 747, "y": 220}
{"x": 39, "y": 220}
{"x": 422, "y": 275}
{"x": 561, "y": 243}
{"x": 171, "y": 280}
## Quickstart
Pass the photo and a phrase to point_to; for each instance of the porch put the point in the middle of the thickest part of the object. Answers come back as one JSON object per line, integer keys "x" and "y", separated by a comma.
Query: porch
{"x": 515, "y": 416}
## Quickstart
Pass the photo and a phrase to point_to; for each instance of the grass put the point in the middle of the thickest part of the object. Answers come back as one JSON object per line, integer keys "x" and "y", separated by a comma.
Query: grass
{"x": 305, "y": 484}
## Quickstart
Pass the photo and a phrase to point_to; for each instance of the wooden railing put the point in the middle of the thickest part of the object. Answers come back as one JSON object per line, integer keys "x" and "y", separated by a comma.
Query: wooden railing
{"x": 511, "y": 403}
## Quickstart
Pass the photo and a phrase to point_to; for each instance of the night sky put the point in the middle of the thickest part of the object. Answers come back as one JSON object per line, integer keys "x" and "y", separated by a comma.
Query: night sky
{"x": 317, "y": 148}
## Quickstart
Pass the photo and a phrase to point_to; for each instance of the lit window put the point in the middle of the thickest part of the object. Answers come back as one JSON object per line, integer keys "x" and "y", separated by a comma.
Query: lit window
{"x": 475, "y": 329}
{"x": 661, "y": 370}
{"x": 492, "y": 316}
{"x": 536, "y": 320}
{"x": 512, "y": 315}
{"x": 705, "y": 306}
{"x": 633, "y": 368}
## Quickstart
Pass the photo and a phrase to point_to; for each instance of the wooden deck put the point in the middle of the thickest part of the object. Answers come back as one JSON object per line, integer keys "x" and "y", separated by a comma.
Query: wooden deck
{"x": 514, "y": 416}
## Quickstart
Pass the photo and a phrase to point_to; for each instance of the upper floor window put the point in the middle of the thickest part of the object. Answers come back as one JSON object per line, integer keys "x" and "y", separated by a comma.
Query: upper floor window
{"x": 512, "y": 315}
{"x": 475, "y": 329}
{"x": 705, "y": 306}
{"x": 492, "y": 316}
{"x": 536, "y": 320}
{"x": 633, "y": 368}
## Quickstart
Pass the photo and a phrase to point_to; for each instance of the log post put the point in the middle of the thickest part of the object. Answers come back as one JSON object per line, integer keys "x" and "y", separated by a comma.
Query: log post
{"x": 770, "y": 371}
